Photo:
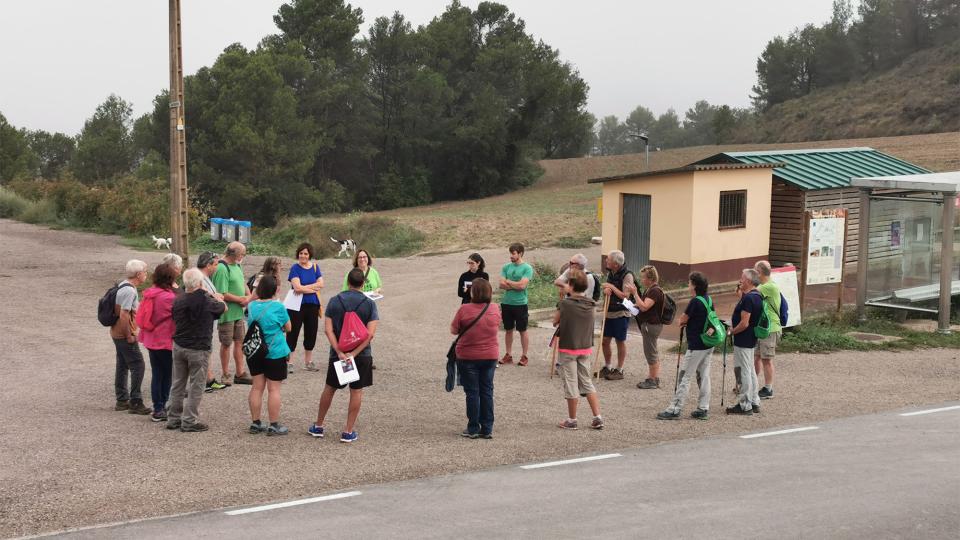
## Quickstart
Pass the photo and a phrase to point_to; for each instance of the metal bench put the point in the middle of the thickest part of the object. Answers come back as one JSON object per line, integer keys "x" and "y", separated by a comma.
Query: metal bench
{"x": 913, "y": 295}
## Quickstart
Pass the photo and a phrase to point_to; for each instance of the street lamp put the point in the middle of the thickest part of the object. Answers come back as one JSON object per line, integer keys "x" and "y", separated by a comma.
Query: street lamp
{"x": 643, "y": 136}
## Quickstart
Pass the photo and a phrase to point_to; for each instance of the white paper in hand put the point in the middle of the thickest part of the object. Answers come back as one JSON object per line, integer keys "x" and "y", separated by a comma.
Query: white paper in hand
{"x": 634, "y": 310}
{"x": 346, "y": 370}
{"x": 292, "y": 300}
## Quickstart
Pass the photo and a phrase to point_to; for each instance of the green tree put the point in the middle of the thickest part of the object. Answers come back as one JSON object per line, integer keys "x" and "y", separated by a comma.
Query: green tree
{"x": 667, "y": 131}
{"x": 611, "y": 137}
{"x": 16, "y": 157}
{"x": 698, "y": 128}
{"x": 105, "y": 145}
{"x": 53, "y": 150}
{"x": 638, "y": 122}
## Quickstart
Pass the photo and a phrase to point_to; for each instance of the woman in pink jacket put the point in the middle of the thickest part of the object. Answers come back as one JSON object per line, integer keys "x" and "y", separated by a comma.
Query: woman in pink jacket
{"x": 155, "y": 319}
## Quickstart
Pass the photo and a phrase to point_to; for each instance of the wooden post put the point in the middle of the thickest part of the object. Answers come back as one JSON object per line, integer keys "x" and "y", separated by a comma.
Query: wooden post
{"x": 804, "y": 258}
{"x": 843, "y": 258}
{"x": 863, "y": 254}
{"x": 946, "y": 262}
{"x": 178, "y": 143}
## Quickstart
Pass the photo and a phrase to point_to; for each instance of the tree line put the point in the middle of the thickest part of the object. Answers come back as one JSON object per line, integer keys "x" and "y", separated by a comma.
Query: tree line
{"x": 319, "y": 118}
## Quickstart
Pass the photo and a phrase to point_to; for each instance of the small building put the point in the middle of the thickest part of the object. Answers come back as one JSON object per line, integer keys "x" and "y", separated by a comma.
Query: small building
{"x": 724, "y": 212}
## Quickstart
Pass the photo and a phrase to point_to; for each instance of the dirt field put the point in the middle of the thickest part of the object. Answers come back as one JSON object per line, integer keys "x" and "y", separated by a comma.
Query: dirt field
{"x": 68, "y": 460}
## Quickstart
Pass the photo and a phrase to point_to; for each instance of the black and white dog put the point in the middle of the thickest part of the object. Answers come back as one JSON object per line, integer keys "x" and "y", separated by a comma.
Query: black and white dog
{"x": 346, "y": 246}
{"x": 162, "y": 242}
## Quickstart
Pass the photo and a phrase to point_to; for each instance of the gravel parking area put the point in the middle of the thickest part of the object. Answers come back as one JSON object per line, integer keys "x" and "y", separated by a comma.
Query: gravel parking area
{"x": 68, "y": 460}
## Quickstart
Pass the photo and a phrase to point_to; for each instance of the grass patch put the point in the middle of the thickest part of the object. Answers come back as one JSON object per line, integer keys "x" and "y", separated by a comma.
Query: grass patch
{"x": 573, "y": 242}
{"x": 826, "y": 333}
{"x": 11, "y": 204}
{"x": 541, "y": 292}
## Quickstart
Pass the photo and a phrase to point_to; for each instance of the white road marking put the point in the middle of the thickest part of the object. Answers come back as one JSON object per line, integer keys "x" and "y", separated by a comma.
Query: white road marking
{"x": 568, "y": 461}
{"x": 291, "y": 503}
{"x": 928, "y": 411}
{"x": 781, "y": 432}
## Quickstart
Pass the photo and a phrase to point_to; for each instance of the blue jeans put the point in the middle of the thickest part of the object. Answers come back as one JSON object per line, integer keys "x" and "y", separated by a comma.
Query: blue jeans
{"x": 161, "y": 368}
{"x": 476, "y": 376}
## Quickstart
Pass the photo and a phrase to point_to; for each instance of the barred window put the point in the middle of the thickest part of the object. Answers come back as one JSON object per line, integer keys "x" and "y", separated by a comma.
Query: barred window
{"x": 733, "y": 209}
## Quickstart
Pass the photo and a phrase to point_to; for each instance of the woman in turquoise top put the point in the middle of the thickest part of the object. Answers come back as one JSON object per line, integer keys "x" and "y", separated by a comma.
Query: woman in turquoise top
{"x": 268, "y": 373}
{"x": 371, "y": 278}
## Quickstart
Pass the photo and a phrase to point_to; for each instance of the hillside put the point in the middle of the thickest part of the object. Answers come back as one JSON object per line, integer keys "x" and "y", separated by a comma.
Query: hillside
{"x": 921, "y": 95}
{"x": 560, "y": 209}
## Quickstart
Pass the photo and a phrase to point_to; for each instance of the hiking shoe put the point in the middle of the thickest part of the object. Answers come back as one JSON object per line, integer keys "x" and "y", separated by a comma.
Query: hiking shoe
{"x": 194, "y": 428}
{"x": 615, "y": 374}
{"x": 175, "y": 424}
{"x": 315, "y": 430}
{"x": 137, "y": 407}
{"x": 486, "y": 436}
{"x": 597, "y": 422}
{"x": 667, "y": 415}
{"x": 278, "y": 429}
{"x": 648, "y": 384}
{"x": 507, "y": 359}
{"x": 700, "y": 414}
{"x": 212, "y": 385}
{"x": 348, "y": 437}
{"x": 604, "y": 371}
{"x": 158, "y": 416}
{"x": 765, "y": 393}
{"x": 121, "y": 405}
{"x": 523, "y": 360}
{"x": 256, "y": 428}
{"x": 311, "y": 367}
{"x": 737, "y": 410}
{"x": 244, "y": 378}
{"x": 466, "y": 434}
{"x": 756, "y": 409}
{"x": 568, "y": 424}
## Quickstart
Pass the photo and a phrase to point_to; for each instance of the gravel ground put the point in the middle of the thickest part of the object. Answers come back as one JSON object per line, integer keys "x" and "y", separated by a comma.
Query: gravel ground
{"x": 68, "y": 460}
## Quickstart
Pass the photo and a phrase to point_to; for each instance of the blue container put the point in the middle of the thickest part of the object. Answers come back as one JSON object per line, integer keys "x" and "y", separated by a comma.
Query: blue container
{"x": 228, "y": 230}
{"x": 243, "y": 231}
{"x": 215, "y": 225}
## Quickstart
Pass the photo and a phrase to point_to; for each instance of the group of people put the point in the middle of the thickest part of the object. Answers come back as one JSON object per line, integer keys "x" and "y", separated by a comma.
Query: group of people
{"x": 176, "y": 325}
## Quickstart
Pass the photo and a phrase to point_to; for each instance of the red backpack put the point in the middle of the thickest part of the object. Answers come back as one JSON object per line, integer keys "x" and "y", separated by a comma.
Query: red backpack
{"x": 352, "y": 332}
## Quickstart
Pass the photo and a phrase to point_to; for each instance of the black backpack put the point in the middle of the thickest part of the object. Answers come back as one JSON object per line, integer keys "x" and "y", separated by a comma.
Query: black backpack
{"x": 669, "y": 309}
{"x": 597, "y": 291}
{"x": 255, "y": 342}
{"x": 106, "y": 313}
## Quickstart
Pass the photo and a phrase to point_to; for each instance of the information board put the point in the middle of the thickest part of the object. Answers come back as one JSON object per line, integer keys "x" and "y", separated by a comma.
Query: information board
{"x": 825, "y": 247}
{"x": 786, "y": 278}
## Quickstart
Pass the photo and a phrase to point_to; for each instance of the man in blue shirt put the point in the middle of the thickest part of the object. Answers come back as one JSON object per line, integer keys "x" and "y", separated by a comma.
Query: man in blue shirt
{"x": 746, "y": 315}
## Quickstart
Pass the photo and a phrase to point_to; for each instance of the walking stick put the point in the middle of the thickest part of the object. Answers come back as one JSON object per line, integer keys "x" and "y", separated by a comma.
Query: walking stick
{"x": 723, "y": 378}
{"x": 553, "y": 356}
{"x": 595, "y": 368}
{"x": 679, "y": 348}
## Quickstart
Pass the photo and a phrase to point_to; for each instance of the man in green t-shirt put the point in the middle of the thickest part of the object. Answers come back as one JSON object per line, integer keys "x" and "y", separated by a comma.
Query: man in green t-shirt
{"x": 767, "y": 347}
{"x": 229, "y": 281}
{"x": 514, "y": 277}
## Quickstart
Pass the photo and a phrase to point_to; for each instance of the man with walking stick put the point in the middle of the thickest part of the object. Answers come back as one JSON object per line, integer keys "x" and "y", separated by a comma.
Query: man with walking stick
{"x": 616, "y": 316}
{"x": 746, "y": 315}
{"x": 697, "y": 358}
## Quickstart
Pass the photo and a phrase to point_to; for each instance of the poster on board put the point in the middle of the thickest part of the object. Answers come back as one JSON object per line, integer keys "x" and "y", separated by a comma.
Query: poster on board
{"x": 825, "y": 247}
{"x": 786, "y": 278}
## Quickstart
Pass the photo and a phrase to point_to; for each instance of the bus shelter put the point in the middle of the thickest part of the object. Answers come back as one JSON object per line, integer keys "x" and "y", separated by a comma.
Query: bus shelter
{"x": 906, "y": 243}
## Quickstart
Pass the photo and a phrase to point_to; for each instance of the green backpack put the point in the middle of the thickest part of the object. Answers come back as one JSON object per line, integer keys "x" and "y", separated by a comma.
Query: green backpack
{"x": 713, "y": 321}
{"x": 762, "y": 329}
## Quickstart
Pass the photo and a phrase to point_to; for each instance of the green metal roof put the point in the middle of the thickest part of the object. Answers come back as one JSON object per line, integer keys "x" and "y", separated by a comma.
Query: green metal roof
{"x": 822, "y": 168}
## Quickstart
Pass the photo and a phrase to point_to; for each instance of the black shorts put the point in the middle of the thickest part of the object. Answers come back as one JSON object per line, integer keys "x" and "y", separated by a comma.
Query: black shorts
{"x": 274, "y": 369}
{"x": 514, "y": 316}
{"x": 364, "y": 366}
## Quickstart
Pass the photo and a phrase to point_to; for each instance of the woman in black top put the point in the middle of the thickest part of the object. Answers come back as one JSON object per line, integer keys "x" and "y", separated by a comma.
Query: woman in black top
{"x": 475, "y": 266}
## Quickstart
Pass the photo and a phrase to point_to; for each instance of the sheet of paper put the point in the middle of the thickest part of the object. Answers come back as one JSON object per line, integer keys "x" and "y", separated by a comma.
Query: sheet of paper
{"x": 633, "y": 309}
{"x": 373, "y": 296}
{"x": 293, "y": 300}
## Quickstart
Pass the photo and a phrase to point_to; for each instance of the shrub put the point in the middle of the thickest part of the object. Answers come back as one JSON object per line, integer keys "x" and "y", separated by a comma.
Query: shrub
{"x": 42, "y": 211}
{"x": 11, "y": 204}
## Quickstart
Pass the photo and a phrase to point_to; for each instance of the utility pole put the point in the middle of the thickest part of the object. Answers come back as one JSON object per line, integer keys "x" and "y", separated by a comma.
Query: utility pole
{"x": 178, "y": 141}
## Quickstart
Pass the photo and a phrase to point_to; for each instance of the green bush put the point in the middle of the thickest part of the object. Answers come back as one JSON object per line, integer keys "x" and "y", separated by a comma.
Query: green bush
{"x": 11, "y": 204}
{"x": 42, "y": 211}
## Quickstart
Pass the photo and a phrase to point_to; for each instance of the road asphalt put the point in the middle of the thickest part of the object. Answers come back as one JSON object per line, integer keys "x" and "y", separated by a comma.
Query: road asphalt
{"x": 887, "y": 475}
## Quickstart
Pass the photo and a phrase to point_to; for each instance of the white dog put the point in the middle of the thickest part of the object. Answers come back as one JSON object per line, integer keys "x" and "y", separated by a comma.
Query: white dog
{"x": 346, "y": 246}
{"x": 161, "y": 243}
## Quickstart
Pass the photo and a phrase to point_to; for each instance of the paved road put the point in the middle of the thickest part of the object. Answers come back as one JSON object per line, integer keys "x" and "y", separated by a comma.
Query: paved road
{"x": 878, "y": 476}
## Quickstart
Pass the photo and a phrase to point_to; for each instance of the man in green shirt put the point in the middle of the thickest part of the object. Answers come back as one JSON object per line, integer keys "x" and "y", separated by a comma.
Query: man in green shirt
{"x": 514, "y": 277}
{"x": 229, "y": 281}
{"x": 767, "y": 347}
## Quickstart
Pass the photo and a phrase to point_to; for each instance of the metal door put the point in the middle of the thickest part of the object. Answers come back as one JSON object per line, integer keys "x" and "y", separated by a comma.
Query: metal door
{"x": 636, "y": 230}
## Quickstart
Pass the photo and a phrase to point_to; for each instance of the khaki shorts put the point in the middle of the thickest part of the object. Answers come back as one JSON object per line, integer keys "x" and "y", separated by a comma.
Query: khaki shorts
{"x": 575, "y": 375}
{"x": 767, "y": 347}
{"x": 231, "y": 331}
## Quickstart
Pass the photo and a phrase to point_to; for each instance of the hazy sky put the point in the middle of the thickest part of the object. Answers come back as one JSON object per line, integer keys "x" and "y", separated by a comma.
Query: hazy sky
{"x": 60, "y": 58}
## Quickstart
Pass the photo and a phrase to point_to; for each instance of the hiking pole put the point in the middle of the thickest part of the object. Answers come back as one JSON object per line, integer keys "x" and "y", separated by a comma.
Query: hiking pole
{"x": 595, "y": 368}
{"x": 723, "y": 378}
{"x": 679, "y": 348}
{"x": 552, "y": 356}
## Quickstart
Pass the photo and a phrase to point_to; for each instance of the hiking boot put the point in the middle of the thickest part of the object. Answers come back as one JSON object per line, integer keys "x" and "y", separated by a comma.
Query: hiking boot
{"x": 212, "y": 385}
{"x": 568, "y": 424}
{"x": 737, "y": 410}
{"x": 507, "y": 359}
{"x": 648, "y": 384}
{"x": 256, "y": 428}
{"x": 158, "y": 416}
{"x": 121, "y": 405}
{"x": 597, "y": 422}
{"x": 243, "y": 378}
{"x": 315, "y": 430}
{"x": 349, "y": 437}
{"x": 278, "y": 429}
{"x": 615, "y": 374}
{"x": 194, "y": 428}
{"x": 667, "y": 415}
{"x": 467, "y": 435}
{"x": 765, "y": 393}
{"x": 137, "y": 407}
{"x": 756, "y": 409}
{"x": 604, "y": 371}
{"x": 311, "y": 367}
{"x": 486, "y": 436}
{"x": 175, "y": 424}
{"x": 700, "y": 414}
{"x": 523, "y": 361}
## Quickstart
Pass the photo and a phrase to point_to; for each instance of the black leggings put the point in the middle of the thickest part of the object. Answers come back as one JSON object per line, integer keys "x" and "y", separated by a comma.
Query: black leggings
{"x": 306, "y": 317}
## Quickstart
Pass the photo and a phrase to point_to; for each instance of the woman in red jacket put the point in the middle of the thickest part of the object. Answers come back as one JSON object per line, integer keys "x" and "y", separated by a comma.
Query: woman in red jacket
{"x": 155, "y": 319}
{"x": 477, "y": 351}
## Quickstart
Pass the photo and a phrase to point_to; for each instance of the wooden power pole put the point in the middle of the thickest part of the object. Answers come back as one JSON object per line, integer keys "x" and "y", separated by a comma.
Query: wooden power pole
{"x": 178, "y": 140}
